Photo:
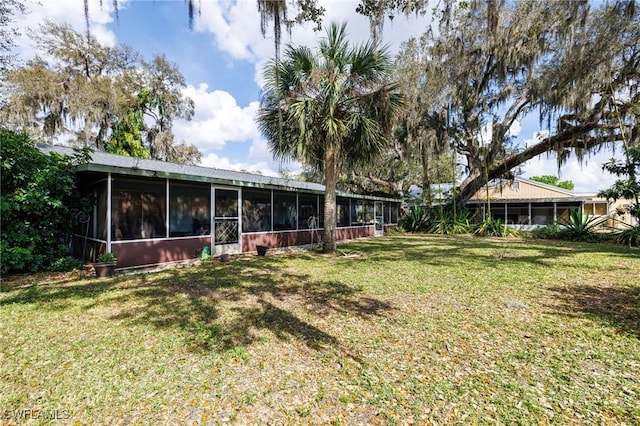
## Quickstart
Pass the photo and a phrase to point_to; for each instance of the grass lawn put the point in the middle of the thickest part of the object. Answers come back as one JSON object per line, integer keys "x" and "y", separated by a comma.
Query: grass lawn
{"x": 401, "y": 329}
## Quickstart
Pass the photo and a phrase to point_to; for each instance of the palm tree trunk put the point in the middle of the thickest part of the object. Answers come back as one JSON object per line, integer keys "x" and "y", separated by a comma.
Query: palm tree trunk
{"x": 331, "y": 180}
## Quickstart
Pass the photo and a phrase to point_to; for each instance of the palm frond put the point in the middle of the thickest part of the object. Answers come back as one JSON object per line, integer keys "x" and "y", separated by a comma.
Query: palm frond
{"x": 335, "y": 97}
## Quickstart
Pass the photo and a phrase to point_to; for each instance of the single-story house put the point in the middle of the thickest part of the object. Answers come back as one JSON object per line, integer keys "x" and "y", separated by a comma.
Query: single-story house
{"x": 149, "y": 212}
{"x": 527, "y": 204}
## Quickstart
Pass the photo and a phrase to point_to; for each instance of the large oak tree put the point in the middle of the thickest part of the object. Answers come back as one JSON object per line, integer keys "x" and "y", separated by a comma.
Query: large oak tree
{"x": 487, "y": 64}
{"x": 107, "y": 97}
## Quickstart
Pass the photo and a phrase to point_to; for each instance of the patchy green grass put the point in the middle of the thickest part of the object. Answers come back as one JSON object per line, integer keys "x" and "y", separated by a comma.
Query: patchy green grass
{"x": 402, "y": 329}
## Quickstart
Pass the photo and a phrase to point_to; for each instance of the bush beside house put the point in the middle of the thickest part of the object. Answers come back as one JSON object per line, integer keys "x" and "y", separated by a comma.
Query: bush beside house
{"x": 38, "y": 200}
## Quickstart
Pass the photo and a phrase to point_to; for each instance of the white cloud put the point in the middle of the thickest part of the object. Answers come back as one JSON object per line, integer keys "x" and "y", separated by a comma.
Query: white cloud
{"x": 515, "y": 129}
{"x": 218, "y": 119}
{"x": 587, "y": 175}
{"x": 259, "y": 160}
{"x": 259, "y": 152}
{"x": 220, "y": 162}
{"x": 258, "y": 76}
{"x": 486, "y": 132}
{"x": 235, "y": 27}
{"x": 536, "y": 137}
{"x": 236, "y": 30}
{"x": 66, "y": 11}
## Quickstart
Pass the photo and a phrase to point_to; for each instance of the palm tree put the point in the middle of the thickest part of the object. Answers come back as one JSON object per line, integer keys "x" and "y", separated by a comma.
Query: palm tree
{"x": 331, "y": 108}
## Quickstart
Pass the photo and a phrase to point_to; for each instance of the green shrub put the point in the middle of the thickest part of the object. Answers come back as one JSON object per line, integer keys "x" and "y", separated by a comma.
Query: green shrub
{"x": 37, "y": 198}
{"x": 629, "y": 236}
{"x": 549, "y": 232}
{"x": 106, "y": 257}
{"x": 493, "y": 227}
{"x": 449, "y": 221}
{"x": 18, "y": 259}
{"x": 65, "y": 264}
{"x": 580, "y": 227}
{"x": 416, "y": 219}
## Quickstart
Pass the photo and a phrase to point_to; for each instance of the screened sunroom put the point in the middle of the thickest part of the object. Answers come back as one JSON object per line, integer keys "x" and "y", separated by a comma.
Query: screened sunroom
{"x": 149, "y": 212}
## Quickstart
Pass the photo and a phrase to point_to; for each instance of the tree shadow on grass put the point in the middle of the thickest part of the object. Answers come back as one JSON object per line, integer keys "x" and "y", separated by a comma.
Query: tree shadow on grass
{"x": 57, "y": 294}
{"x": 225, "y": 312}
{"x": 217, "y": 307}
{"x": 284, "y": 325}
{"x": 618, "y": 307}
{"x": 444, "y": 250}
{"x": 451, "y": 249}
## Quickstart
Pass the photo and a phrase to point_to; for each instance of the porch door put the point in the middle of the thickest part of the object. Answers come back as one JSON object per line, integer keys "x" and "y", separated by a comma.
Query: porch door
{"x": 226, "y": 229}
{"x": 379, "y": 218}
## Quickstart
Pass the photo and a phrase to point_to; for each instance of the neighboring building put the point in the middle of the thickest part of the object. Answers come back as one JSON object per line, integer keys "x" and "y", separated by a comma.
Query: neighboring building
{"x": 149, "y": 212}
{"x": 526, "y": 204}
{"x": 440, "y": 193}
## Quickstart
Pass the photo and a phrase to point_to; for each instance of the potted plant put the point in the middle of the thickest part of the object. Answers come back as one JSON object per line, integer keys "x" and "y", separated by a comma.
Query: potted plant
{"x": 105, "y": 265}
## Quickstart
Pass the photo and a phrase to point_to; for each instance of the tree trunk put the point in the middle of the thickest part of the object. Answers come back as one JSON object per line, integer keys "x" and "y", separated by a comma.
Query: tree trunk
{"x": 382, "y": 187}
{"x": 572, "y": 138}
{"x": 470, "y": 185}
{"x": 426, "y": 179}
{"x": 331, "y": 180}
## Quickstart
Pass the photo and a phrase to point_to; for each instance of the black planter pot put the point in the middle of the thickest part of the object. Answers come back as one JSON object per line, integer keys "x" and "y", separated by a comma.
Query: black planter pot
{"x": 262, "y": 250}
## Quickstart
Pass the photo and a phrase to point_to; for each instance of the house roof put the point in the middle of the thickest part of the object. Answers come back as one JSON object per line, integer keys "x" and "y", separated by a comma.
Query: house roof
{"x": 546, "y": 186}
{"x": 526, "y": 190}
{"x": 105, "y": 162}
{"x": 528, "y": 200}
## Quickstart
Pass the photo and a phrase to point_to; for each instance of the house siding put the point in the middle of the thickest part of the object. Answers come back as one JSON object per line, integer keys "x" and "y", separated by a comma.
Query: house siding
{"x": 151, "y": 252}
{"x": 527, "y": 204}
{"x": 525, "y": 190}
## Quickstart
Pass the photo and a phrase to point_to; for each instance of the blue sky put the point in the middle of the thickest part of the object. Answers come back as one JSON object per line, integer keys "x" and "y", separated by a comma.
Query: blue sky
{"x": 222, "y": 58}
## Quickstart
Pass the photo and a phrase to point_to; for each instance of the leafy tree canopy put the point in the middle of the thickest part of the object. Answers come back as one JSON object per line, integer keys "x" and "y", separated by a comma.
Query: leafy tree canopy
{"x": 38, "y": 199}
{"x": 627, "y": 186}
{"x": 8, "y": 9}
{"x": 554, "y": 181}
{"x": 488, "y": 64}
{"x": 491, "y": 63}
{"x": 107, "y": 97}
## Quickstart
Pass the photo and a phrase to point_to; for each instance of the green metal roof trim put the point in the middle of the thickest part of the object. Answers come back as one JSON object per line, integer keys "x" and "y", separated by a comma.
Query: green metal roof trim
{"x": 132, "y": 166}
